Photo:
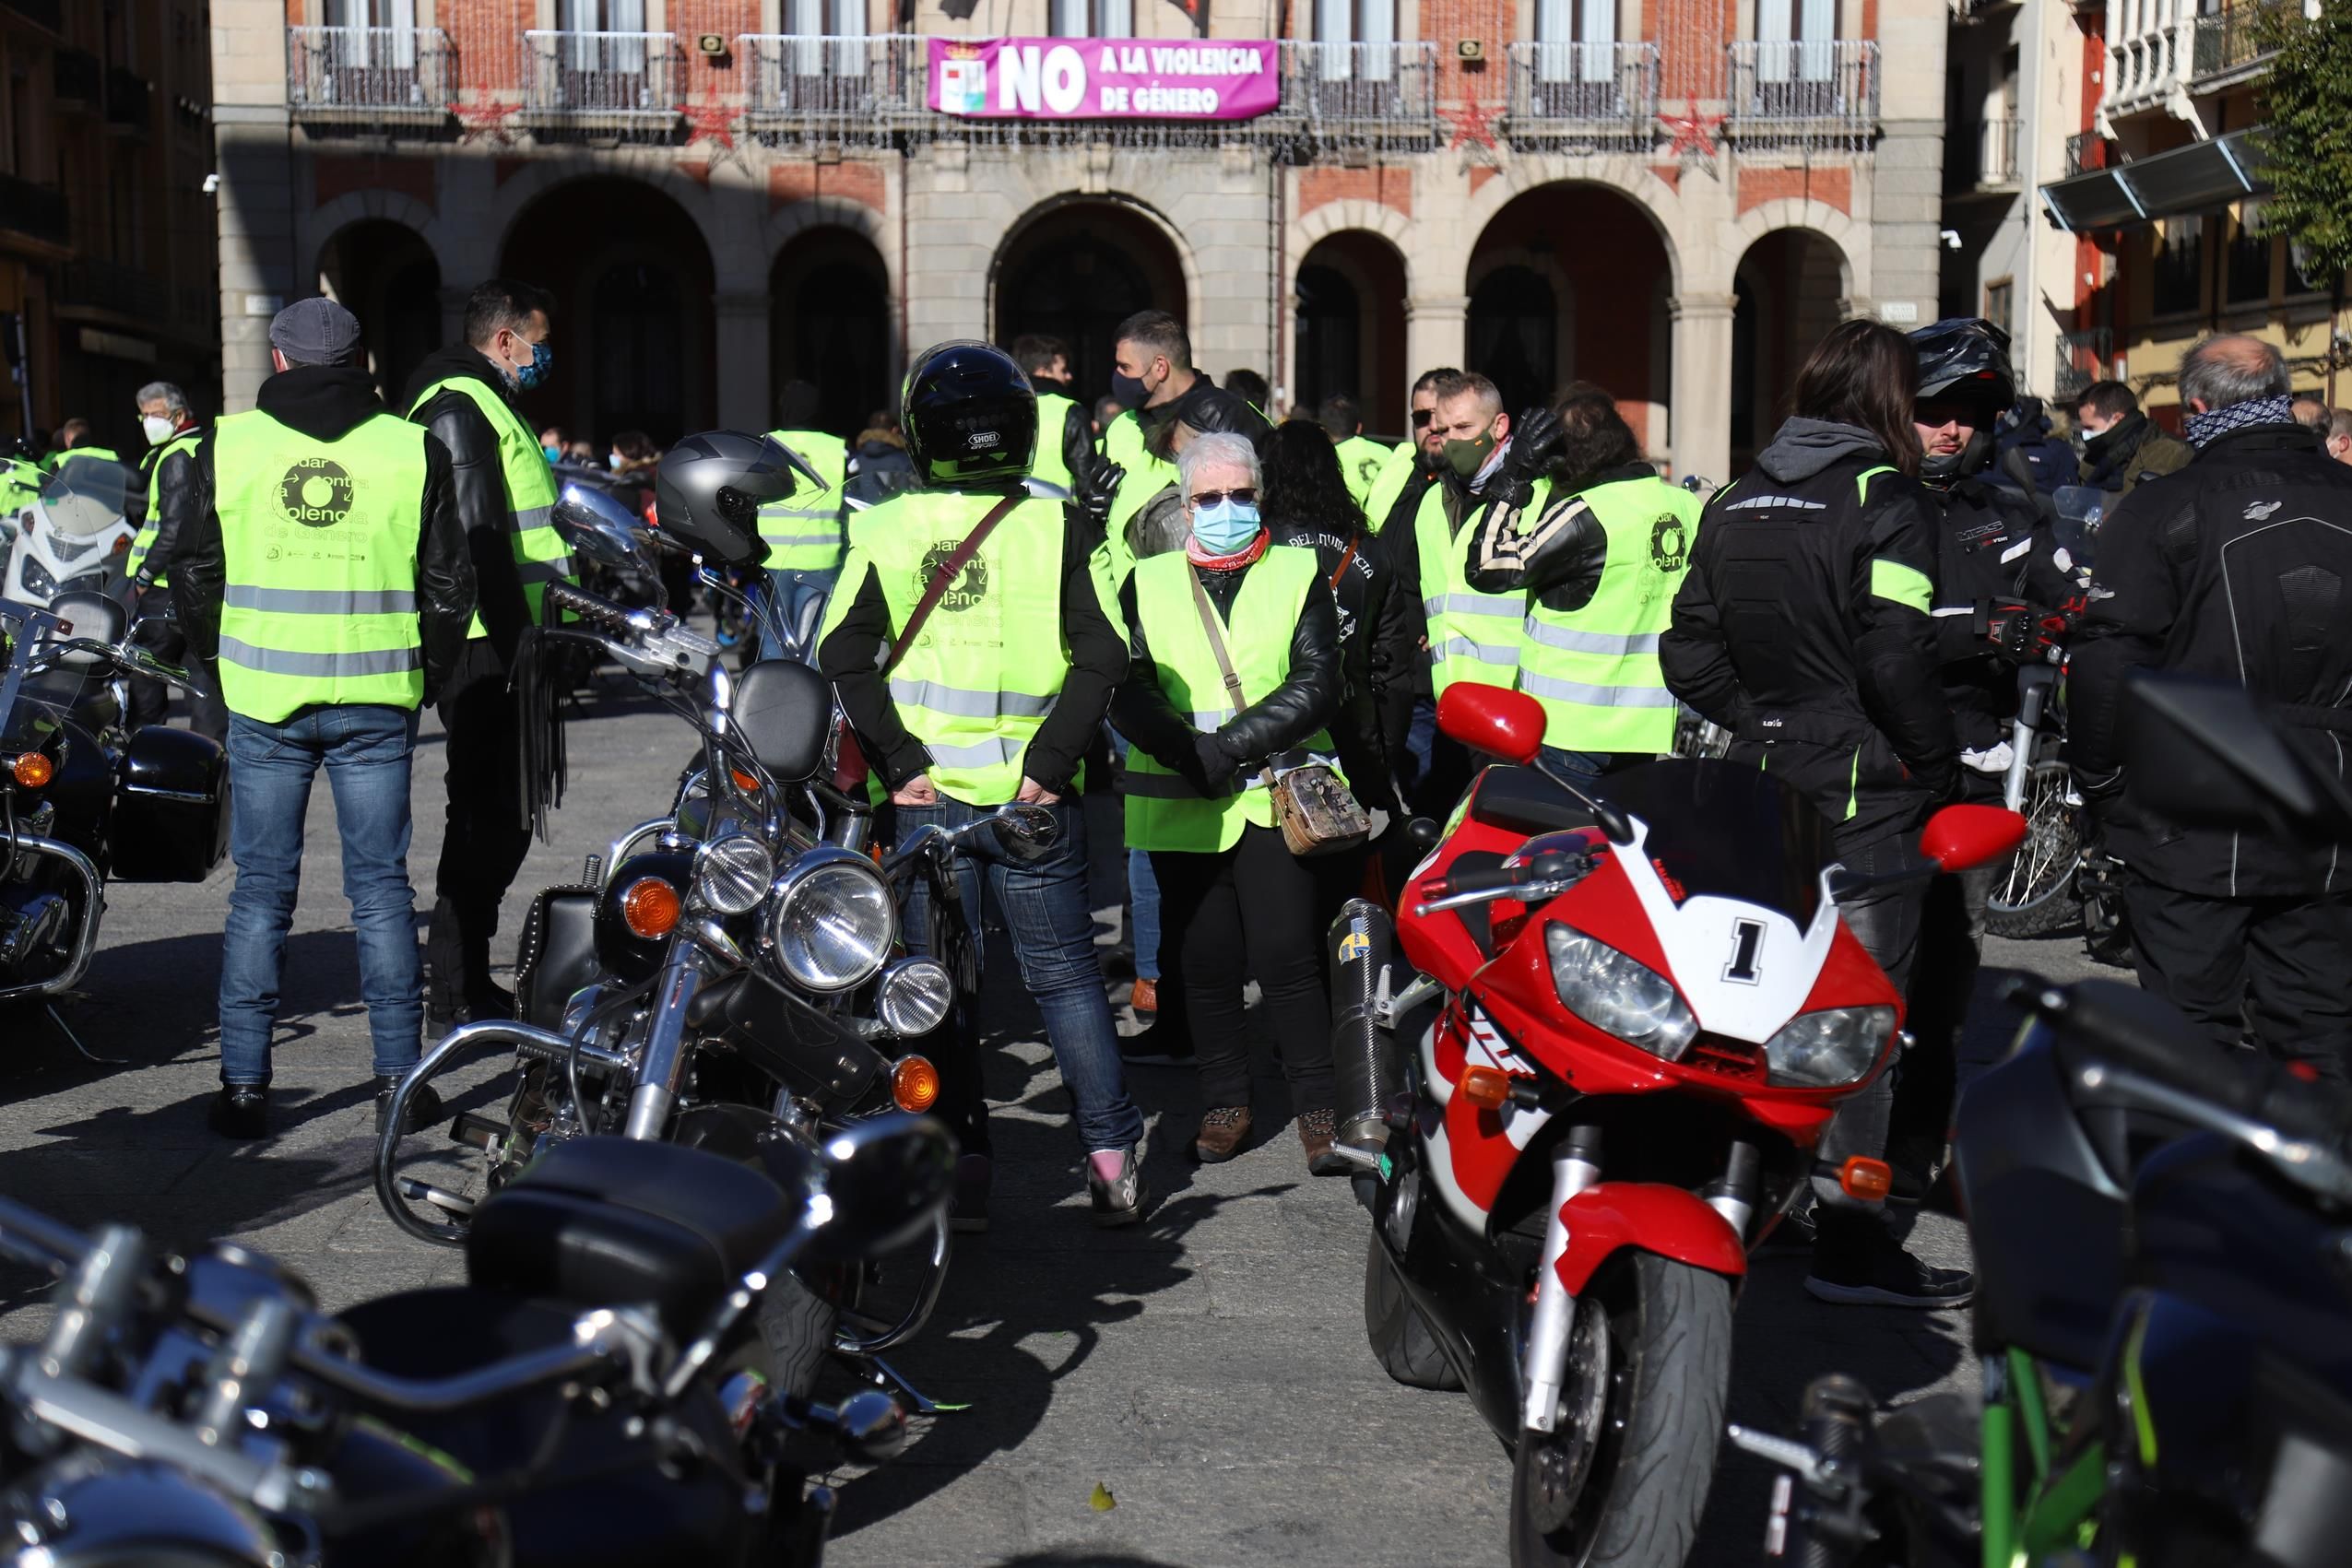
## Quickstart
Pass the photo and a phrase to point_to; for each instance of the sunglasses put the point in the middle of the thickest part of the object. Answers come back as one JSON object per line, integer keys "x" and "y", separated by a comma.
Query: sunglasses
{"x": 1421, "y": 418}
{"x": 1211, "y": 498}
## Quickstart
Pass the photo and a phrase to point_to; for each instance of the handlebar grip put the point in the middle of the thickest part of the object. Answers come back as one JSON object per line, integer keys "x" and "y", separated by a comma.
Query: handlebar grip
{"x": 589, "y": 607}
{"x": 1480, "y": 879}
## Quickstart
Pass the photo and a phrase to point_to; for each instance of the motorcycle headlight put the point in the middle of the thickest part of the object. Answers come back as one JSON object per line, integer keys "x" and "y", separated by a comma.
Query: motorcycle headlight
{"x": 1618, "y": 995}
{"x": 38, "y": 582}
{"x": 732, "y": 874}
{"x": 1822, "y": 1050}
{"x": 831, "y": 921}
{"x": 914, "y": 996}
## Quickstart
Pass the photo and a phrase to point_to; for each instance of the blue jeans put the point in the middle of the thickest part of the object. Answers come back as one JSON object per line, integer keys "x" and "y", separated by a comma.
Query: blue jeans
{"x": 787, "y": 590}
{"x": 1142, "y": 895}
{"x": 1053, "y": 937}
{"x": 1587, "y": 769}
{"x": 366, "y": 751}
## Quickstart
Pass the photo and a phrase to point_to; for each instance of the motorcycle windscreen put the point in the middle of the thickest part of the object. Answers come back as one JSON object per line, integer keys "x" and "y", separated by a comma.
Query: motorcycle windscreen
{"x": 1719, "y": 829}
{"x": 87, "y": 497}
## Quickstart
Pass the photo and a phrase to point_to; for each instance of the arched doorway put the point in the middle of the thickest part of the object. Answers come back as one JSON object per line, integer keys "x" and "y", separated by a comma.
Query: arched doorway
{"x": 1349, "y": 328}
{"x": 1543, "y": 315}
{"x": 633, "y": 329}
{"x": 386, "y": 274}
{"x": 830, "y": 325}
{"x": 1789, "y": 291}
{"x": 1077, "y": 270}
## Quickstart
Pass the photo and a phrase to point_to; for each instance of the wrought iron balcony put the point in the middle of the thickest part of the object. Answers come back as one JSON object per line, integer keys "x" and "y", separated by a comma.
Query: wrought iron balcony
{"x": 367, "y": 73}
{"x": 1354, "y": 89}
{"x": 127, "y": 100}
{"x": 2087, "y": 150}
{"x": 1603, "y": 94}
{"x": 2083, "y": 358}
{"x": 833, "y": 86}
{"x": 32, "y": 209}
{"x": 1802, "y": 91}
{"x": 2228, "y": 46}
{"x": 624, "y": 82}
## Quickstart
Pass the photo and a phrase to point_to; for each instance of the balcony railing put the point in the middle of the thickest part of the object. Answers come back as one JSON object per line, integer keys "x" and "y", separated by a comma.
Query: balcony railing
{"x": 367, "y": 73}
{"x": 2228, "y": 43}
{"x": 127, "y": 100}
{"x": 2143, "y": 70}
{"x": 2083, "y": 358}
{"x": 76, "y": 76}
{"x": 626, "y": 80}
{"x": 862, "y": 85}
{"x": 111, "y": 285}
{"x": 1802, "y": 91}
{"x": 2087, "y": 150}
{"x": 1983, "y": 157}
{"x": 1361, "y": 88}
{"x": 31, "y": 210}
{"x": 1575, "y": 91}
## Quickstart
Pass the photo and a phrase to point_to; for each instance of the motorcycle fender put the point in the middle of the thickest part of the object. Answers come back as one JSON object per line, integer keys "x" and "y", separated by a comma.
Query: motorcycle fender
{"x": 1650, "y": 1217}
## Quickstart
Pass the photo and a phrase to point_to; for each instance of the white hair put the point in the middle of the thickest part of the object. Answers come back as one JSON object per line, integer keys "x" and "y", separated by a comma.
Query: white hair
{"x": 174, "y": 401}
{"x": 1216, "y": 449}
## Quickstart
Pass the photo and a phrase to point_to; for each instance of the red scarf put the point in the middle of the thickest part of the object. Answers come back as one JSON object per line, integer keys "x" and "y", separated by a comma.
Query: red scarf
{"x": 1233, "y": 562}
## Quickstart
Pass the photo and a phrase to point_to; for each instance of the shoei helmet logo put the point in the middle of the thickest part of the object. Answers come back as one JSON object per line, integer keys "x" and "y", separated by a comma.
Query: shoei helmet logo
{"x": 1670, "y": 543}
{"x": 1747, "y": 946}
{"x": 983, "y": 441}
{"x": 315, "y": 492}
{"x": 971, "y": 584}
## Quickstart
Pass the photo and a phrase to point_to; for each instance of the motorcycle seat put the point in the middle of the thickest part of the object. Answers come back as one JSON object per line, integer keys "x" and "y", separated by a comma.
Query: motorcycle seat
{"x": 1521, "y": 800}
{"x": 612, "y": 1222}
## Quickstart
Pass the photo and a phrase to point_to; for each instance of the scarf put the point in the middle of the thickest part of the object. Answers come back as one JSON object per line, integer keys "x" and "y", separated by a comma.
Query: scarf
{"x": 1233, "y": 562}
{"x": 2202, "y": 427}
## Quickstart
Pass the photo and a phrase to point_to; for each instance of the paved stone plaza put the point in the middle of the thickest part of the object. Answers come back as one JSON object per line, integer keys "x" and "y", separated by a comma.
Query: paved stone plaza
{"x": 1209, "y": 1369}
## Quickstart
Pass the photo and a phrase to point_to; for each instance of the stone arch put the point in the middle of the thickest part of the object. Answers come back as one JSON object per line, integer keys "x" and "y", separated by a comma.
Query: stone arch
{"x": 1167, "y": 251}
{"x": 1651, "y": 196}
{"x": 323, "y": 222}
{"x": 374, "y": 251}
{"x": 1354, "y": 214}
{"x": 1850, "y": 237}
{"x": 1052, "y": 205}
{"x": 1792, "y": 282}
{"x": 1360, "y": 352}
{"x": 540, "y": 177}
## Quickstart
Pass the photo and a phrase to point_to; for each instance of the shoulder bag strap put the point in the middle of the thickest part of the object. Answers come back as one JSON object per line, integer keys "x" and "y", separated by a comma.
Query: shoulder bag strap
{"x": 949, "y": 570}
{"x": 1217, "y": 646}
{"x": 1347, "y": 559}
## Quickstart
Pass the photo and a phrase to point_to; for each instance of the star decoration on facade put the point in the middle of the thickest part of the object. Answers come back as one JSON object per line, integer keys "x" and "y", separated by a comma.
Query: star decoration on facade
{"x": 485, "y": 120}
{"x": 1471, "y": 123}
{"x": 1695, "y": 133}
{"x": 714, "y": 122}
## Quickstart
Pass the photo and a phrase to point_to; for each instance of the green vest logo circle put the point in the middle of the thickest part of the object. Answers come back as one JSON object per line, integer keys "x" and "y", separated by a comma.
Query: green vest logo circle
{"x": 971, "y": 584}
{"x": 315, "y": 492}
{"x": 1669, "y": 543}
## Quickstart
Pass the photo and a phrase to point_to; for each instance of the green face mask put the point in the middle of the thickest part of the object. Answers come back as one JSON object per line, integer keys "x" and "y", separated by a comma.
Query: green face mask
{"x": 1467, "y": 457}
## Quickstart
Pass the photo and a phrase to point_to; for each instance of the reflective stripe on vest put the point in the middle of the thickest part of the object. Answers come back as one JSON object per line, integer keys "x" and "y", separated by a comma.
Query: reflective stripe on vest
{"x": 989, "y": 662}
{"x": 1471, "y": 634}
{"x": 319, "y": 565}
{"x": 1162, "y": 811}
{"x": 803, "y": 530}
{"x": 1053, "y": 416}
{"x": 540, "y": 555}
{"x": 1595, "y": 669}
{"x": 144, "y": 540}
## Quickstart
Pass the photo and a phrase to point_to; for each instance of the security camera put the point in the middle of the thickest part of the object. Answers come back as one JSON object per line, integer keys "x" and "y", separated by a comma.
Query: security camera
{"x": 211, "y": 183}
{"x": 1951, "y": 238}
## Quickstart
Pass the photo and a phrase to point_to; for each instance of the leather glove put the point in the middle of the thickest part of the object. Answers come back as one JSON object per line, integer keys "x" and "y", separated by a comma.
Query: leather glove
{"x": 1217, "y": 765}
{"x": 2026, "y": 633}
{"x": 1078, "y": 453}
{"x": 1536, "y": 439}
{"x": 1091, "y": 497}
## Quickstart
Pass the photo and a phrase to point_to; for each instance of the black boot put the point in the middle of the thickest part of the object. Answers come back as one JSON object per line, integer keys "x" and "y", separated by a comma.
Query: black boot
{"x": 424, "y": 1105}
{"x": 1856, "y": 1261}
{"x": 241, "y": 1111}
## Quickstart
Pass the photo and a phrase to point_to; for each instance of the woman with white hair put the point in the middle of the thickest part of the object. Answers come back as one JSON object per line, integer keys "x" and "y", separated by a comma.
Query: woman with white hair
{"x": 1233, "y": 900}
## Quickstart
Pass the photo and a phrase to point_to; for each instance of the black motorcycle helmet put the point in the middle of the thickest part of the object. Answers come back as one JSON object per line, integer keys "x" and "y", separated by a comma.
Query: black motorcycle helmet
{"x": 711, "y": 487}
{"x": 1965, "y": 357}
{"x": 970, "y": 418}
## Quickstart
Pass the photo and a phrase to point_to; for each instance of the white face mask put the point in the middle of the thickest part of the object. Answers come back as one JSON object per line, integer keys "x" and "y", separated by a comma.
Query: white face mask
{"x": 158, "y": 429}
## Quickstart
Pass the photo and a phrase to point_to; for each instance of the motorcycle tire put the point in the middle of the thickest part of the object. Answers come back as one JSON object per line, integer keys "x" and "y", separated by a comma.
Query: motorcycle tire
{"x": 2032, "y": 892}
{"x": 1401, "y": 1340}
{"x": 1669, "y": 1371}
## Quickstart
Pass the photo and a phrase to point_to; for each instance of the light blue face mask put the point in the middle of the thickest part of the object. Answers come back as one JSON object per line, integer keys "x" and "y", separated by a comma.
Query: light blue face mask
{"x": 554, "y": 454}
{"x": 1226, "y": 526}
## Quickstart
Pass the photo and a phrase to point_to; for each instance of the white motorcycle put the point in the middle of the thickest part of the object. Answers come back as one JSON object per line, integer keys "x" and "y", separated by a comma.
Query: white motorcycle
{"x": 75, "y": 536}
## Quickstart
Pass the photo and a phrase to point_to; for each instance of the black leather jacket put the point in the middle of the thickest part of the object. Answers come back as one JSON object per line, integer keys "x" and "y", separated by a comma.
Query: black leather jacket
{"x": 325, "y": 401}
{"x": 1309, "y": 698}
{"x": 1379, "y": 649}
{"x": 477, "y": 477}
{"x": 174, "y": 475}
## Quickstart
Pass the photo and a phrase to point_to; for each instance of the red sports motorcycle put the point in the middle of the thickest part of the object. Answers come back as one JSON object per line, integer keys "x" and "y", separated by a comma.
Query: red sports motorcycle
{"x": 1632, "y": 1020}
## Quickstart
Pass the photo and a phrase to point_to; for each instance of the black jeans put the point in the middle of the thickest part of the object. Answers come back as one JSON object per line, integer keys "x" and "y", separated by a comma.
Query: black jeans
{"x": 1253, "y": 909}
{"x": 1943, "y": 979}
{"x": 1887, "y": 926}
{"x": 2273, "y": 968}
{"x": 486, "y": 839}
{"x": 151, "y": 699}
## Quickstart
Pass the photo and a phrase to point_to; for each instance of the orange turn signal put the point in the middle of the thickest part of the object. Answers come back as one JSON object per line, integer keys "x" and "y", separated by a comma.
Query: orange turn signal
{"x": 1487, "y": 1087}
{"x": 32, "y": 770}
{"x": 650, "y": 908}
{"x": 915, "y": 1083}
{"x": 744, "y": 781}
{"x": 1863, "y": 1177}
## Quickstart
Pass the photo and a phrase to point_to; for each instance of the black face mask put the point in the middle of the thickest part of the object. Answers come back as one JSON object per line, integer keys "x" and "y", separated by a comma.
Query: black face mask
{"x": 2117, "y": 437}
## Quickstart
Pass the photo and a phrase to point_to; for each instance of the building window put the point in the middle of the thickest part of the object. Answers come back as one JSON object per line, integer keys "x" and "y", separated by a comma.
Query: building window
{"x": 1576, "y": 41}
{"x": 2179, "y": 267}
{"x": 1094, "y": 19}
{"x": 372, "y": 14}
{"x": 2246, "y": 275}
{"x": 2000, "y": 300}
{"x": 1368, "y": 24}
{"x": 1796, "y": 41}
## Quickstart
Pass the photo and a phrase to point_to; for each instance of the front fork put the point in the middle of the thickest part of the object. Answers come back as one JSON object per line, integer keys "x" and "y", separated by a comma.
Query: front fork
{"x": 2034, "y": 686}
{"x": 665, "y": 1058}
{"x": 1575, "y": 1165}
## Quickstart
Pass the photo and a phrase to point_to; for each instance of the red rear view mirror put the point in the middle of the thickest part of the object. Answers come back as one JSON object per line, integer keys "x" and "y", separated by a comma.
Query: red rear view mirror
{"x": 1960, "y": 836}
{"x": 1493, "y": 719}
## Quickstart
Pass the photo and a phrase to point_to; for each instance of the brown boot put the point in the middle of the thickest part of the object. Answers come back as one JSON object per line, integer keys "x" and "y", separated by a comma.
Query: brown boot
{"x": 1316, "y": 1129}
{"x": 1223, "y": 1130}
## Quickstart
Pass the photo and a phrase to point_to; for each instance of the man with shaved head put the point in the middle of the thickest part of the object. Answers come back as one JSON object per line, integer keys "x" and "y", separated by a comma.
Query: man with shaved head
{"x": 2234, "y": 569}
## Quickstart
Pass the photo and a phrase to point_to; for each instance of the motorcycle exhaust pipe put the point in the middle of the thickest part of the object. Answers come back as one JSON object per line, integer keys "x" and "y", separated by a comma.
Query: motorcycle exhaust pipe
{"x": 1363, "y": 1054}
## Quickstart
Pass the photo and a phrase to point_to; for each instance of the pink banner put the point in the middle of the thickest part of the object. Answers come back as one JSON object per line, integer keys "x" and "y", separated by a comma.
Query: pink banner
{"x": 1104, "y": 78}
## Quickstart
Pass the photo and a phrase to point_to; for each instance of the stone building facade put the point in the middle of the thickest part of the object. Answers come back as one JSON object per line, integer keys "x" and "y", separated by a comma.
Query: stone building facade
{"x": 1671, "y": 198}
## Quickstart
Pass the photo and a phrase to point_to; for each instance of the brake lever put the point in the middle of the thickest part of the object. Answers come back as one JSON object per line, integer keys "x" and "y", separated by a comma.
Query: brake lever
{"x": 1525, "y": 893}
